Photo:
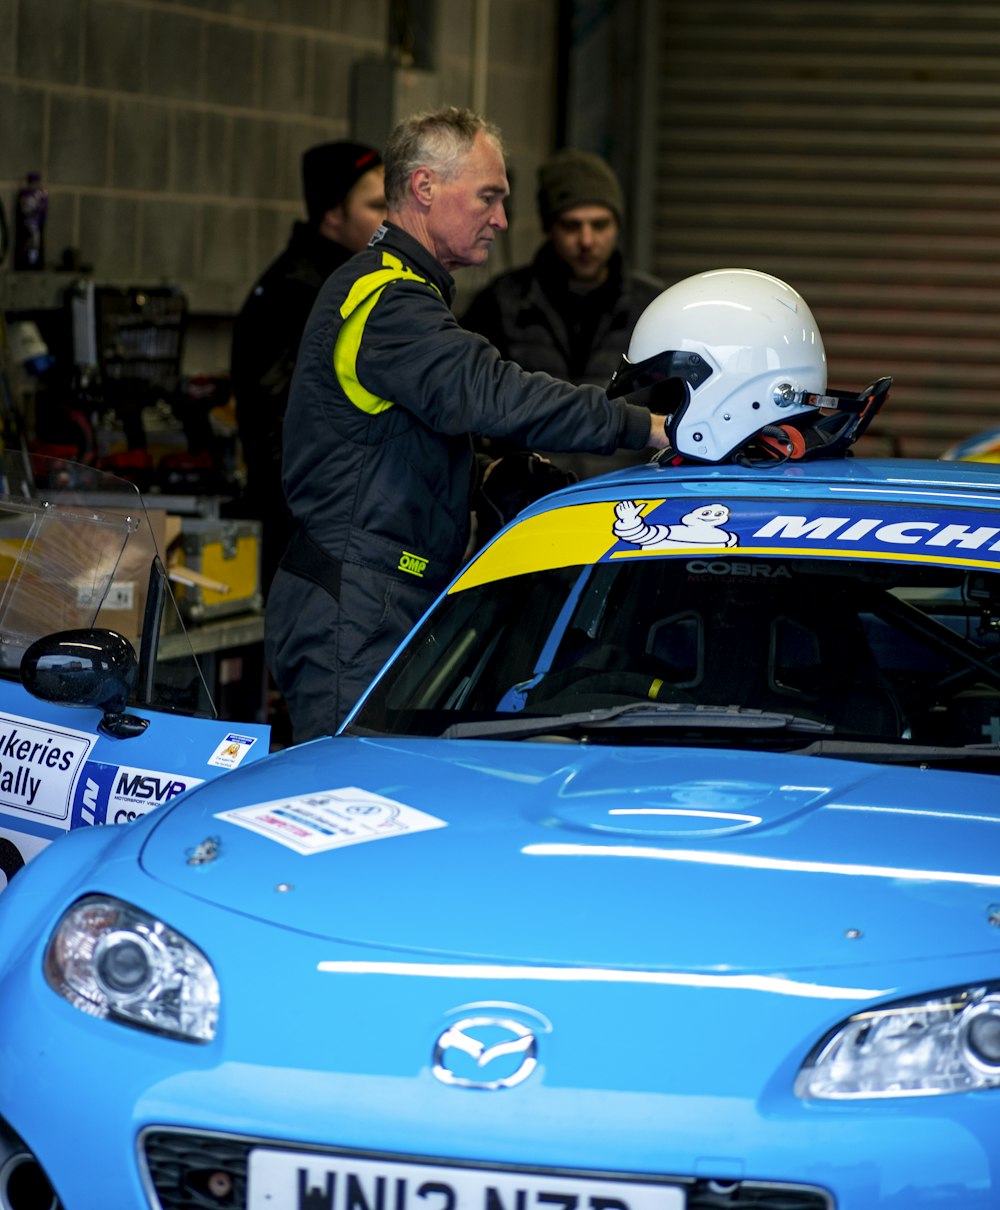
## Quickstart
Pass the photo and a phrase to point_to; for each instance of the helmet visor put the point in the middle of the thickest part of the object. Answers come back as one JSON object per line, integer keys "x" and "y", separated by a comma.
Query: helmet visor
{"x": 671, "y": 364}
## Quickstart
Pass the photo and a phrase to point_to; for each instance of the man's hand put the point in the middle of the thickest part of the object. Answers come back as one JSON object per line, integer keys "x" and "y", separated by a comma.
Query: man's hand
{"x": 658, "y": 432}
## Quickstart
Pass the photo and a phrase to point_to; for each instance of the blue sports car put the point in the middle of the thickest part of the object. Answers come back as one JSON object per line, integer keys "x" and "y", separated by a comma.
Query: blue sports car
{"x": 659, "y": 870}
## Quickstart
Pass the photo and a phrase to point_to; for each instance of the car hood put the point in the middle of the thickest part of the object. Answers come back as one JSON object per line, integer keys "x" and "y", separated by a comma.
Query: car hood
{"x": 600, "y": 856}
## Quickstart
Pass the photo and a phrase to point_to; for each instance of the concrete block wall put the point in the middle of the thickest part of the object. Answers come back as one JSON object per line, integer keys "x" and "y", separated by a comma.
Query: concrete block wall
{"x": 169, "y": 132}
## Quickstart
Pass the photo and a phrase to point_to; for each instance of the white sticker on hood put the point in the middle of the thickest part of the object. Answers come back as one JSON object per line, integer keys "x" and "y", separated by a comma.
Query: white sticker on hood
{"x": 331, "y": 819}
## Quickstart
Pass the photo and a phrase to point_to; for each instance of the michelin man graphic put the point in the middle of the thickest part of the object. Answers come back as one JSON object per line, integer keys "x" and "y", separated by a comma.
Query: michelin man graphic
{"x": 700, "y": 527}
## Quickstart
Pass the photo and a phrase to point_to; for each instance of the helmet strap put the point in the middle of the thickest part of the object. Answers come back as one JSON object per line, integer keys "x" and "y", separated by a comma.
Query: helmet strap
{"x": 775, "y": 443}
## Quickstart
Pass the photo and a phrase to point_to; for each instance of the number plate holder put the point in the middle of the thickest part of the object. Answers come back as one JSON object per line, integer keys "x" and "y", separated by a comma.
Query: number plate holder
{"x": 309, "y": 1180}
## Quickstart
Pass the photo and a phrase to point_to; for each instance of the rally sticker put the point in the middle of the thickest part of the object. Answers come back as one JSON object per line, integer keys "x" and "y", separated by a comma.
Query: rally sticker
{"x": 39, "y": 767}
{"x": 232, "y": 750}
{"x": 331, "y": 819}
{"x": 109, "y": 794}
{"x": 960, "y": 536}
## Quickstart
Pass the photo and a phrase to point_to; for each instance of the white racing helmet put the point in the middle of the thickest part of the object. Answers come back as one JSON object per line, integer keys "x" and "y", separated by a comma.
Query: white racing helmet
{"x": 737, "y": 356}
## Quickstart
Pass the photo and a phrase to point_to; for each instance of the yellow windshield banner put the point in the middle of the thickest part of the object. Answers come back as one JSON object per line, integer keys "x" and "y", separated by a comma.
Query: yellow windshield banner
{"x": 581, "y": 534}
{"x": 565, "y": 537}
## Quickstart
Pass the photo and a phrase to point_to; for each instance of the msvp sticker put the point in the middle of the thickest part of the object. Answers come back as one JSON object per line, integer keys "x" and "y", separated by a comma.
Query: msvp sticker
{"x": 118, "y": 793}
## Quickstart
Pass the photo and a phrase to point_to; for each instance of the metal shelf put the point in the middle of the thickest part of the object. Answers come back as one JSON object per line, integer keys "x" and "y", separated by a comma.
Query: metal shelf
{"x": 242, "y": 630}
{"x": 35, "y": 291}
{"x": 45, "y": 290}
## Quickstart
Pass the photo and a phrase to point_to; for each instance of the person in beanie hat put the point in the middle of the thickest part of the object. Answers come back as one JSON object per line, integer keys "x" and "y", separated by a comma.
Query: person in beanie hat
{"x": 342, "y": 186}
{"x": 577, "y": 178}
{"x": 571, "y": 311}
{"x": 329, "y": 173}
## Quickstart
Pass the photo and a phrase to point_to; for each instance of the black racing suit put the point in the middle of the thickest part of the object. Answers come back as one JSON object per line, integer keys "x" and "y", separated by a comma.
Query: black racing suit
{"x": 378, "y": 466}
{"x": 266, "y": 337}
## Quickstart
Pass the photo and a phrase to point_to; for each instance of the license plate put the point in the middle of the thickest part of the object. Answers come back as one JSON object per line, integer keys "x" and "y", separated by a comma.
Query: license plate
{"x": 289, "y": 1180}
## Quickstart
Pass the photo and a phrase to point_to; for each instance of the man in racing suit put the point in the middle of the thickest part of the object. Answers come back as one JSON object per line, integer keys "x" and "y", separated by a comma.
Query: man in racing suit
{"x": 378, "y": 464}
{"x": 345, "y": 201}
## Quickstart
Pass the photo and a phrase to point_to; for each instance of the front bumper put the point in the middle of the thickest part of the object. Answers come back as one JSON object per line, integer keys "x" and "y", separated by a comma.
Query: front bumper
{"x": 675, "y": 1079}
{"x": 117, "y": 1118}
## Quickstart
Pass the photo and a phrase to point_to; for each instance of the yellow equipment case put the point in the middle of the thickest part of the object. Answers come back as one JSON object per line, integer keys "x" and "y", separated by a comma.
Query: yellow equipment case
{"x": 215, "y": 568}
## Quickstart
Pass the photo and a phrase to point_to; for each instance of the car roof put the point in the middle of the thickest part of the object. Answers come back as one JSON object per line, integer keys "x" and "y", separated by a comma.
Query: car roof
{"x": 935, "y": 481}
{"x": 575, "y": 525}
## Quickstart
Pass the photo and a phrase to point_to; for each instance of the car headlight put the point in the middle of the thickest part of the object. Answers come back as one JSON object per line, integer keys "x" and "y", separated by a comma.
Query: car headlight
{"x": 112, "y": 960}
{"x": 948, "y": 1041}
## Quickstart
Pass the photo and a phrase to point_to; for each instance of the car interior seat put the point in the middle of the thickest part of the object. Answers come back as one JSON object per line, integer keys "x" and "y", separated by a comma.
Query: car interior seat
{"x": 778, "y": 647}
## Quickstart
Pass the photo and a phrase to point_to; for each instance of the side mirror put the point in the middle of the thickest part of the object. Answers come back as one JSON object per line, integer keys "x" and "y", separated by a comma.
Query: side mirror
{"x": 96, "y": 669}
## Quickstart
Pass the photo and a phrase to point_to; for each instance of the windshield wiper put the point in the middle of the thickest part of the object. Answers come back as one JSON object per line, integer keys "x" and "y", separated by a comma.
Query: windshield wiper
{"x": 900, "y": 752}
{"x": 659, "y": 715}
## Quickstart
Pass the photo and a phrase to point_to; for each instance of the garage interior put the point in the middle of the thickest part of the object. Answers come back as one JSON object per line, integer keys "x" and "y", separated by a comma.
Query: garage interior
{"x": 849, "y": 147}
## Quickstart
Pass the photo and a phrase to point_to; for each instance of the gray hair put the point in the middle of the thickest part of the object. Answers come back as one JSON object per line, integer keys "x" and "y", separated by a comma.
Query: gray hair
{"x": 437, "y": 140}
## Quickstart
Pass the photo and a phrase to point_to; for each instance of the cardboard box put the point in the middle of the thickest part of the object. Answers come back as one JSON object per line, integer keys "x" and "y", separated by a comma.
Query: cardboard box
{"x": 121, "y": 610}
{"x": 124, "y": 604}
{"x": 53, "y": 576}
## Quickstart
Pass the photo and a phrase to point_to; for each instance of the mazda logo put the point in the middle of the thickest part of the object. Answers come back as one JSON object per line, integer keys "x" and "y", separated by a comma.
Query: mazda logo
{"x": 485, "y": 1052}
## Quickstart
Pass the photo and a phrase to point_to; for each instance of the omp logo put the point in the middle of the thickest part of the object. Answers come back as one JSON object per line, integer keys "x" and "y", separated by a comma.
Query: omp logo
{"x": 149, "y": 789}
{"x": 88, "y": 812}
{"x": 413, "y": 564}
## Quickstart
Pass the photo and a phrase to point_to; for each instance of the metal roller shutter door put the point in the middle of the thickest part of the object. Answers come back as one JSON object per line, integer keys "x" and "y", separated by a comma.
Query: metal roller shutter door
{"x": 853, "y": 149}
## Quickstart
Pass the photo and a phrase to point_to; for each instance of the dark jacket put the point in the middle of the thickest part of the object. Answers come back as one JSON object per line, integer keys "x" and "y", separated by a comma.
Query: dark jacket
{"x": 378, "y": 463}
{"x": 532, "y": 317}
{"x": 265, "y": 344}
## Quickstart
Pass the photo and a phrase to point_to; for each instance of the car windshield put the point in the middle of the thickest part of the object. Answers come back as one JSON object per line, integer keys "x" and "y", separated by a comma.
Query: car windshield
{"x": 748, "y": 651}
{"x": 79, "y": 549}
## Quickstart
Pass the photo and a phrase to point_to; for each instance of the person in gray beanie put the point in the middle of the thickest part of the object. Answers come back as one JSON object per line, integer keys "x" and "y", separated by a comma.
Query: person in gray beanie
{"x": 577, "y": 178}
{"x": 571, "y": 311}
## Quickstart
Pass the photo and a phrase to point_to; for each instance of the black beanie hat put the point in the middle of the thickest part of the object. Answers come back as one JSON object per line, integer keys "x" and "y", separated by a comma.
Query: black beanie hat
{"x": 576, "y": 178}
{"x": 330, "y": 171}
